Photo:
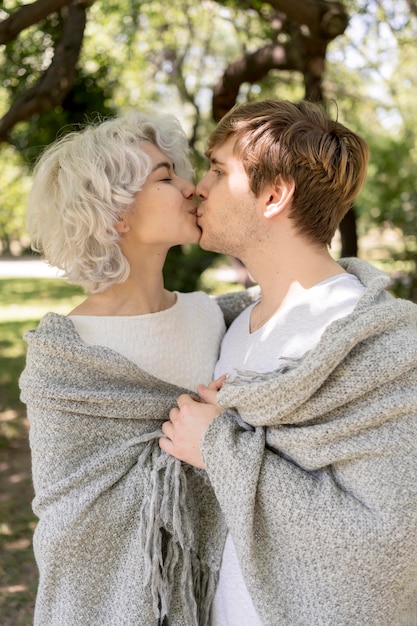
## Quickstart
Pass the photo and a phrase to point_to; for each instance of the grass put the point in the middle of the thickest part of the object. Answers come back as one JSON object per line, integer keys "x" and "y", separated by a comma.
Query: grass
{"x": 23, "y": 301}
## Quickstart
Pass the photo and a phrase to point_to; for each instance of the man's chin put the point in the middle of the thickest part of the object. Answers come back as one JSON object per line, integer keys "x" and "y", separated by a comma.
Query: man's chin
{"x": 206, "y": 245}
{"x": 209, "y": 243}
{"x": 202, "y": 243}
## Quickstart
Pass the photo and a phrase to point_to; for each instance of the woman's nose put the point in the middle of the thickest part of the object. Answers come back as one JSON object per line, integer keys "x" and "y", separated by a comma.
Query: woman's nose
{"x": 188, "y": 189}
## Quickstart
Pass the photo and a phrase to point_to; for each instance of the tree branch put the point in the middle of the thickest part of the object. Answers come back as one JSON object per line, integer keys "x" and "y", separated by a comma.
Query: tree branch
{"x": 58, "y": 79}
{"x": 251, "y": 68}
{"x": 313, "y": 23}
{"x": 28, "y": 15}
{"x": 412, "y": 5}
{"x": 322, "y": 17}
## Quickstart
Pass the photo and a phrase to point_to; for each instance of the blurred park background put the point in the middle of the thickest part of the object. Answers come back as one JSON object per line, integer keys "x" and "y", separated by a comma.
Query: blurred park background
{"x": 65, "y": 63}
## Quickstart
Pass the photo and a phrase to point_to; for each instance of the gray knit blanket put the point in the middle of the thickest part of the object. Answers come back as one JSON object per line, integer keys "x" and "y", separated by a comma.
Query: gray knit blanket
{"x": 127, "y": 535}
{"x": 318, "y": 484}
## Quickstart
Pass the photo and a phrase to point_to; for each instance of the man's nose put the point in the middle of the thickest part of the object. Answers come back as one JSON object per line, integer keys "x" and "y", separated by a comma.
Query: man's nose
{"x": 200, "y": 190}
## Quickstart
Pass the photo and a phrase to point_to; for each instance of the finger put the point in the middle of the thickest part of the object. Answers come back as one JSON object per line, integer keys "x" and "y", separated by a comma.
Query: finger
{"x": 206, "y": 394}
{"x": 173, "y": 414}
{"x": 184, "y": 399}
{"x": 168, "y": 429}
{"x": 165, "y": 444}
{"x": 218, "y": 383}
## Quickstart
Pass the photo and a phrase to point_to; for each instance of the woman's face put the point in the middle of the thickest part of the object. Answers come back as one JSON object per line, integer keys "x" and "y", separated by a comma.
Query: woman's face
{"x": 164, "y": 211}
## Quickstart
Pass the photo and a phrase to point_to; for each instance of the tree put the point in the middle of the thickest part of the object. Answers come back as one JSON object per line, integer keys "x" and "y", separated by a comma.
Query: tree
{"x": 66, "y": 61}
{"x": 298, "y": 33}
{"x": 58, "y": 78}
{"x": 44, "y": 42}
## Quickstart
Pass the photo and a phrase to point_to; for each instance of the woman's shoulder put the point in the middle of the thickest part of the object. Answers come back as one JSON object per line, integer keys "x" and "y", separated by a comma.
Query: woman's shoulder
{"x": 50, "y": 326}
{"x": 195, "y": 298}
{"x": 197, "y": 301}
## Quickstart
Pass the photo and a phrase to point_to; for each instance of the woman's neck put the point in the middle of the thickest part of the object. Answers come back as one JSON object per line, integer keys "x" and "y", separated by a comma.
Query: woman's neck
{"x": 138, "y": 295}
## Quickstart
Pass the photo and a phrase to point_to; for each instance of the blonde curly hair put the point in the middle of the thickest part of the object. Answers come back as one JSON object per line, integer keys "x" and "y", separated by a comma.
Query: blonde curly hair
{"x": 82, "y": 185}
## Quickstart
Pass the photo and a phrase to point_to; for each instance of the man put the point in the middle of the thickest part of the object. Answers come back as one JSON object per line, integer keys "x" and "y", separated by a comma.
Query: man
{"x": 310, "y": 444}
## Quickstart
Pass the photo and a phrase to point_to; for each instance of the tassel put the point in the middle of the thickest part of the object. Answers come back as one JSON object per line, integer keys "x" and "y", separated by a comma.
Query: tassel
{"x": 167, "y": 538}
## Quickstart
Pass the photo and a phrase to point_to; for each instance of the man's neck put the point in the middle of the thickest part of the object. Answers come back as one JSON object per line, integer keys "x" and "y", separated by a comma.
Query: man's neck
{"x": 280, "y": 277}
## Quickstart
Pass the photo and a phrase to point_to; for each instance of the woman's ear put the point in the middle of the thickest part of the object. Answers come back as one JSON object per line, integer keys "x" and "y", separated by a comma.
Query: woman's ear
{"x": 121, "y": 225}
{"x": 280, "y": 196}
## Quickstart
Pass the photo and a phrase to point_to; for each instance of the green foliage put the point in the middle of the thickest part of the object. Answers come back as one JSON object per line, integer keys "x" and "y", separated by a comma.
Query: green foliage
{"x": 26, "y": 57}
{"x": 13, "y": 193}
{"x": 143, "y": 54}
{"x": 23, "y": 61}
{"x": 89, "y": 97}
{"x": 390, "y": 193}
{"x": 184, "y": 266}
{"x": 390, "y": 201}
{"x": 135, "y": 55}
{"x": 371, "y": 75}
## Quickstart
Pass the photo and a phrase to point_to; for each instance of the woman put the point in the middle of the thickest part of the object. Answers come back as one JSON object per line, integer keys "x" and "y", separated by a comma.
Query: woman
{"x": 126, "y": 534}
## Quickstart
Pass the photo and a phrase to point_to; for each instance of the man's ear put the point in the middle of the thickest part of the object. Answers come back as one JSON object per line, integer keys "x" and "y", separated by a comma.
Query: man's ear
{"x": 280, "y": 196}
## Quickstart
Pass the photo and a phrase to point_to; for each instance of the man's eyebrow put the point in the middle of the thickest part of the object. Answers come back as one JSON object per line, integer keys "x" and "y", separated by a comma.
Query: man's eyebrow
{"x": 215, "y": 161}
{"x": 163, "y": 164}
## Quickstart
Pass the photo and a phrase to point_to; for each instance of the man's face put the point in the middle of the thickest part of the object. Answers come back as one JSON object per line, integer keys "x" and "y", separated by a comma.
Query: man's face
{"x": 227, "y": 213}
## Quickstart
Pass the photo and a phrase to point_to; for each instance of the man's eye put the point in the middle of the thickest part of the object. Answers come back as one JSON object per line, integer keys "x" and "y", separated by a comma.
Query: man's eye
{"x": 217, "y": 172}
{"x": 166, "y": 180}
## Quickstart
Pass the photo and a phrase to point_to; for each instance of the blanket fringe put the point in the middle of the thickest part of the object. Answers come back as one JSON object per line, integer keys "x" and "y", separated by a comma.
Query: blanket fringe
{"x": 167, "y": 540}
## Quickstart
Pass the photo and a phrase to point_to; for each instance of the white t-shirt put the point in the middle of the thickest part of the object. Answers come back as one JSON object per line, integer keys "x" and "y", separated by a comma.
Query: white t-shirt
{"x": 179, "y": 345}
{"x": 295, "y": 329}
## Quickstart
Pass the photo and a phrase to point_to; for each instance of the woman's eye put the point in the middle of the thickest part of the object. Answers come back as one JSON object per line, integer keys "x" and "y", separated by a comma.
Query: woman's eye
{"x": 217, "y": 172}
{"x": 166, "y": 180}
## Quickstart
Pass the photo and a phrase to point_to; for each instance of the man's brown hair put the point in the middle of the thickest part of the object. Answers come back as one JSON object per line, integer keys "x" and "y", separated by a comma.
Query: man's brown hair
{"x": 300, "y": 143}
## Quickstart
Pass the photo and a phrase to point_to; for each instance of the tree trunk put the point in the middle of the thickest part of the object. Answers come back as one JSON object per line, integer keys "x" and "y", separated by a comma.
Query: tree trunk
{"x": 349, "y": 235}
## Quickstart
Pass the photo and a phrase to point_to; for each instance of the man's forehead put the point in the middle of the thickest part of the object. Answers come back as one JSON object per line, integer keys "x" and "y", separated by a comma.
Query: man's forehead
{"x": 225, "y": 152}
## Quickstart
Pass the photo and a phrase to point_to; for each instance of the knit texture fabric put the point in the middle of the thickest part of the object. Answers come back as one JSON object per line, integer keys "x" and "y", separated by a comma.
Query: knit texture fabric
{"x": 127, "y": 535}
{"x": 315, "y": 469}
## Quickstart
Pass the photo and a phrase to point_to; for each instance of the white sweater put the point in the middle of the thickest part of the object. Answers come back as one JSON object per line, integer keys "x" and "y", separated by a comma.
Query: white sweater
{"x": 160, "y": 343}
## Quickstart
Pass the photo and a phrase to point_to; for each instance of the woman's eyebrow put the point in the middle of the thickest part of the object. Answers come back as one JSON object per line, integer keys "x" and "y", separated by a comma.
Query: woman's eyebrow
{"x": 163, "y": 164}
